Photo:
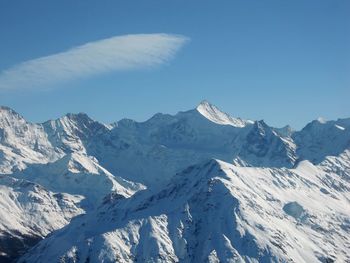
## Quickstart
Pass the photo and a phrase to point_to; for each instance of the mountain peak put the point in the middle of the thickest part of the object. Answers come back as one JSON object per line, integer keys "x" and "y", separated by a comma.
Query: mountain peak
{"x": 205, "y": 105}
{"x": 79, "y": 115}
{"x": 5, "y": 108}
{"x": 285, "y": 131}
{"x": 214, "y": 114}
{"x": 77, "y": 121}
{"x": 321, "y": 120}
{"x": 10, "y": 118}
{"x": 5, "y": 112}
{"x": 79, "y": 118}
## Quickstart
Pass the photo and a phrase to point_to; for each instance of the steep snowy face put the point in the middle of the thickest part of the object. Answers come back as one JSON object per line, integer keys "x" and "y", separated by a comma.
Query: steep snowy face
{"x": 320, "y": 139}
{"x": 263, "y": 146}
{"x": 165, "y": 144}
{"x": 28, "y": 212}
{"x": 73, "y": 132}
{"x": 337, "y": 165}
{"x": 216, "y": 212}
{"x": 22, "y": 142}
{"x": 79, "y": 174}
{"x": 16, "y": 132}
{"x": 212, "y": 211}
{"x": 10, "y": 118}
{"x": 213, "y": 114}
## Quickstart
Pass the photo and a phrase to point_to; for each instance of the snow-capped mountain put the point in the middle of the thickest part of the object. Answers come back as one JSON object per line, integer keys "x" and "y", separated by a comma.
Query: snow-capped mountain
{"x": 73, "y": 132}
{"x": 320, "y": 139}
{"x": 52, "y": 155}
{"x": 217, "y": 212}
{"x": 212, "y": 113}
{"x": 268, "y": 194}
{"x": 166, "y": 144}
{"x": 261, "y": 145}
{"x": 79, "y": 174}
{"x": 28, "y": 212}
{"x": 22, "y": 142}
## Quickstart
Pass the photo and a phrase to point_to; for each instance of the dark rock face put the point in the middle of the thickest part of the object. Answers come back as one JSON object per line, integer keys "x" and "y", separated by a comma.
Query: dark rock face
{"x": 14, "y": 245}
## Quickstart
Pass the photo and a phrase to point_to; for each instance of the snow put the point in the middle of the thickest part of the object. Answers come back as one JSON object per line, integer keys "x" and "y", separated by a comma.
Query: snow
{"x": 321, "y": 120}
{"x": 339, "y": 127}
{"x": 197, "y": 186}
{"x": 213, "y": 212}
{"x": 22, "y": 142}
{"x": 321, "y": 139}
{"x": 213, "y": 114}
{"x": 29, "y": 212}
{"x": 79, "y": 174}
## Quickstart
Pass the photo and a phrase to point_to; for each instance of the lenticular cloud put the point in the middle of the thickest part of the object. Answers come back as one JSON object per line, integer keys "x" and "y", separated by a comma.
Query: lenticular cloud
{"x": 118, "y": 53}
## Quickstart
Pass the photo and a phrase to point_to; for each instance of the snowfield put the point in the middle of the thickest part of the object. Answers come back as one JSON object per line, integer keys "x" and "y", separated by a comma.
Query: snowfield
{"x": 198, "y": 186}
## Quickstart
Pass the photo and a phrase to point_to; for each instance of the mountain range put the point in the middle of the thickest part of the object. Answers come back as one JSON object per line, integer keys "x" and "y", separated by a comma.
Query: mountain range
{"x": 198, "y": 186}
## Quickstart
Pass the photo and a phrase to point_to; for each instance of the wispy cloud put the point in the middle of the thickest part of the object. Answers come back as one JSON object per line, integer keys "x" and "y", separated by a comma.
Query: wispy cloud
{"x": 113, "y": 54}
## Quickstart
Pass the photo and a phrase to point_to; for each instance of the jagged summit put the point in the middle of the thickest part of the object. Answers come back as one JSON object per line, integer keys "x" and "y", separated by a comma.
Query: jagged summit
{"x": 218, "y": 188}
{"x": 214, "y": 114}
{"x": 77, "y": 116}
{"x": 213, "y": 212}
{"x": 76, "y": 119}
{"x": 285, "y": 131}
{"x": 7, "y": 109}
{"x": 261, "y": 125}
{"x": 9, "y": 117}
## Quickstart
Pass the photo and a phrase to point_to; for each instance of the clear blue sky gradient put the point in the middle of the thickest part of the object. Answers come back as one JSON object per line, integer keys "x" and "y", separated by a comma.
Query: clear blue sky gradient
{"x": 286, "y": 62}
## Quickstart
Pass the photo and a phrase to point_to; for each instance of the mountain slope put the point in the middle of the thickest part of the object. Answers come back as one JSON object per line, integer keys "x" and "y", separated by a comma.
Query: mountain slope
{"x": 166, "y": 144}
{"x": 79, "y": 174}
{"x": 73, "y": 132}
{"x": 22, "y": 142}
{"x": 213, "y": 114}
{"x": 260, "y": 145}
{"x": 276, "y": 194}
{"x": 29, "y": 212}
{"x": 217, "y": 212}
{"x": 320, "y": 139}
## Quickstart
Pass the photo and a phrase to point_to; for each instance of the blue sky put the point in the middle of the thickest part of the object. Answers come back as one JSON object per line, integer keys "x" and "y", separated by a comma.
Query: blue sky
{"x": 286, "y": 62}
